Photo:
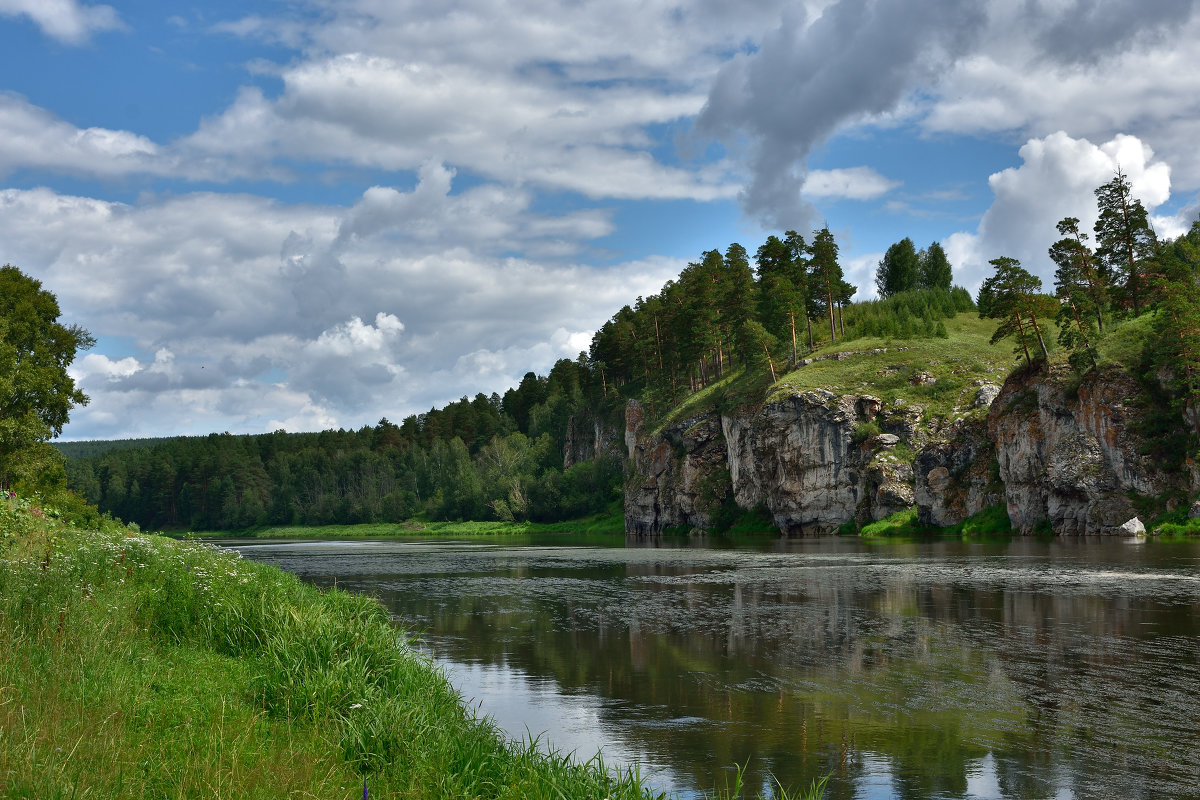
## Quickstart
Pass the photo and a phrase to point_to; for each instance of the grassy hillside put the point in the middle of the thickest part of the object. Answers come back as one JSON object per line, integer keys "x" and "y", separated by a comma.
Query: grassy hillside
{"x": 956, "y": 363}
{"x": 135, "y": 666}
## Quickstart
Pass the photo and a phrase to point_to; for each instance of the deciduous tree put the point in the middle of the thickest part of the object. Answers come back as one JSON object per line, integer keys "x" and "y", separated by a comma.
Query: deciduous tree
{"x": 36, "y": 391}
{"x": 899, "y": 270}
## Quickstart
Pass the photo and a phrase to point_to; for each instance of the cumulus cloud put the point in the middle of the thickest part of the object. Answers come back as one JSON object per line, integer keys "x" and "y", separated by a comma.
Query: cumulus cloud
{"x": 32, "y": 137}
{"x": 320, "y": 314}
{"x": 65, "y": 20}
{"x": 854, "y": 183}
{"x": 1093, "y": 69}
{"x": 1057, "y": 178}
{"x": 381, "y": 112}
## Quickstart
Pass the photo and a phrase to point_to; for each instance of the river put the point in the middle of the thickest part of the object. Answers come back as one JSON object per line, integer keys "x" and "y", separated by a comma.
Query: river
{"x": 1021, "y": 668}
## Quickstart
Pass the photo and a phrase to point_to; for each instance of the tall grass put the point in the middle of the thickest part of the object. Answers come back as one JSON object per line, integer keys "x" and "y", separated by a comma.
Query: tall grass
{"x": 134, "y": 666}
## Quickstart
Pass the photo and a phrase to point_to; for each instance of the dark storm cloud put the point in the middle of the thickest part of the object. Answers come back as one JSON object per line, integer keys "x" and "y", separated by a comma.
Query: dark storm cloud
{"x": 1086, "y": 30}
{"x": 860, "y": 57}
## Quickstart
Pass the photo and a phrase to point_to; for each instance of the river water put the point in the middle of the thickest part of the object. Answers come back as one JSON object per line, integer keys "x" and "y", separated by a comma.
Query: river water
{"x": 1009, "y": 669}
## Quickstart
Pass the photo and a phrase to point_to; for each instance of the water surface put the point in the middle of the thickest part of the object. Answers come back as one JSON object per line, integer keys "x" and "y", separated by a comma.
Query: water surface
{"x": 1009, "y": 669}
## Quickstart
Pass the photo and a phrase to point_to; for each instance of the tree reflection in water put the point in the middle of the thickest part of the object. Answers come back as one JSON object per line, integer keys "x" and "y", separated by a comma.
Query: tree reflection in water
{"x": 1014, "y": 669}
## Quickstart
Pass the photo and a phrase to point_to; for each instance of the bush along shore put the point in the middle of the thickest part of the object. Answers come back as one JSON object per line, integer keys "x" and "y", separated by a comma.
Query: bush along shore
{"x": 134, "y": 666}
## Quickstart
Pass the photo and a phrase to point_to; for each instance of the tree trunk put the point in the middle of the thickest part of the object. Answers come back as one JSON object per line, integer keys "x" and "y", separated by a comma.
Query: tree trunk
{"x": 1021, "y": 331}
{"x": 795, "y": 357}
{"x": 1041, "y": 341}
{"x": 832, "y": 329}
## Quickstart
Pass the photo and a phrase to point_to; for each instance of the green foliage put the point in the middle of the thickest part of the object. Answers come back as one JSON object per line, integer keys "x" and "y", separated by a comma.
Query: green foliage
{"x": 991, "y": 520}
{"x": 1012, "y": 297}
{"x": 908, "y": 315}
{"x": 936, "y": 272}
{"x": 1125, "y": 242}
{"x": 36, "y": 391}
{"x": 865, "y": 430}
{"x": 899, "y": 270}
{"x": 1176, "y": 354}
{"x": 902, "y": 523}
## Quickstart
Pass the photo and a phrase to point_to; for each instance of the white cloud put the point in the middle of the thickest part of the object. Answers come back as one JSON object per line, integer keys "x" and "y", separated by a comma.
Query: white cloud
{"x": 1091, "y": 69}
{"x": 1057, "y": 178}
{"x": 65, "y": 20}
{"x": 860, "y": 271}
{"x": 854, "y": 183}
{"x": 278, "y": 314}
{"x": 1029, "y": 66}
{"x": 379, "y": 112}
{"x": 33, "y": 137}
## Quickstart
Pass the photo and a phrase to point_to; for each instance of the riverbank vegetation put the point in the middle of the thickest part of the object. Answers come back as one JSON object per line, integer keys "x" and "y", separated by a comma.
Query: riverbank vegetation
{"x": 134, "y": 666}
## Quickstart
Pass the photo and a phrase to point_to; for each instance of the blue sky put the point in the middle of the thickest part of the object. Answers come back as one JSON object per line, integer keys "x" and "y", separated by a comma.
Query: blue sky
{"x": 317, "y": 213}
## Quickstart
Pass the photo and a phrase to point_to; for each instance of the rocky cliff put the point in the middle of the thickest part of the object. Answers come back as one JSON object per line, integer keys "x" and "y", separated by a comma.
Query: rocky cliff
{"x": 814, "y": 460}
{"x": 1054, "y": 453}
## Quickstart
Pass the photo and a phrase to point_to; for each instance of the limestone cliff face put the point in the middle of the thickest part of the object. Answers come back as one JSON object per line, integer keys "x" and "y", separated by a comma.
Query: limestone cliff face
{"x": 954, "y": 476}
{"x": 1072, "y": 459}
{"x": 678, "y": 478}
{"x": 589, "y": 437}
{"x": 1052, "y": 453}
{"x": 800, "y": 457}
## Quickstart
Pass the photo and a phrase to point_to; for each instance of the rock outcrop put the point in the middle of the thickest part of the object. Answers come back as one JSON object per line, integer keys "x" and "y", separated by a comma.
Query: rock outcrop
{"x": 1057, "y": 455}
{"x": 589, "y": 437}
{"x": 1071, "y": 460}
{"x": 955, "y": 477}
{"x": 815, "y": 460}
{"x": 680, "y": 477}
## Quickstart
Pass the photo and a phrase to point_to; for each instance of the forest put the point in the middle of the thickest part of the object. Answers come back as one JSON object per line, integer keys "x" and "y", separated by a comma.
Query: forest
{"x": 521, "y": 456}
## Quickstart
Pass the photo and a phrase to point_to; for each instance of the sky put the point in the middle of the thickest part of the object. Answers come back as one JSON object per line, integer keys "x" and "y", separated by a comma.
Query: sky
{"x": 311, "y": 214}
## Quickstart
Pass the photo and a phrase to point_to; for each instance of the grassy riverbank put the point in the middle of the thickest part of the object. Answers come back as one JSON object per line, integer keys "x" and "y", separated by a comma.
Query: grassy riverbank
{"x": 134, "y": 666}
{"x": 610, "y": 523}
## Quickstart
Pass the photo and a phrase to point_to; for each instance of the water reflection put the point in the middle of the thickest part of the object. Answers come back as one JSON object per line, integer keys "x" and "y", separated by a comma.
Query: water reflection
{"x": 1018, "y": 669}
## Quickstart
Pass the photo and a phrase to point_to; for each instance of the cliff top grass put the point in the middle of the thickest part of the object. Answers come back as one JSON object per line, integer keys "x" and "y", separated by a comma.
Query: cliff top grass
{"x": 955, "y": 362}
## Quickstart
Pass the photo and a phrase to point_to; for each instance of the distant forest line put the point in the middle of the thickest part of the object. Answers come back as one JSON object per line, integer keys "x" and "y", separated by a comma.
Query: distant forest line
{"x": 530, "y": 454}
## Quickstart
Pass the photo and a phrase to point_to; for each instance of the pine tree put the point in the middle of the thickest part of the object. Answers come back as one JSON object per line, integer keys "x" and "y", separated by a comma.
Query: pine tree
{"x": 781, "y": 301}
{"x": 1178, "y": 321}
{"x": 1076, "y": 283}
{"x": 1014, "y": 300}
{"x": 1124, "y": 240}
{"x": 827, "y": 273}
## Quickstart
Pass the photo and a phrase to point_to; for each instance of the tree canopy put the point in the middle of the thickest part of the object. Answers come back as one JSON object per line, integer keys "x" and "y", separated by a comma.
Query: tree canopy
{"x": 899, "y": 270}
{"x": 36, "y": 391}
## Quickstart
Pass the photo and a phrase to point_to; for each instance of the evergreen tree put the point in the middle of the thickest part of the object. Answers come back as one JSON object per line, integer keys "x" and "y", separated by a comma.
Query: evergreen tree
{"x": 1124, "y": 240}
{"x": 935, "y": 269}
{"x": 799, "y": 253}
{"x": 827, "y": 274}
{"x": 899, "y": 270}
{"x": 1077, "y": 285}
{"x": 737, "y": 295}
{"x": 1014, "y": 300}
{"x": 781, "y": 301}
{"x": 1178, "y": 320}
